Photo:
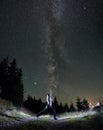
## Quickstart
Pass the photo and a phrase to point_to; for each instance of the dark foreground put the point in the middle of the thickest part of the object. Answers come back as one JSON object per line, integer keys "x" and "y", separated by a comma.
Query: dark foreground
{"x": 94, "y": 122}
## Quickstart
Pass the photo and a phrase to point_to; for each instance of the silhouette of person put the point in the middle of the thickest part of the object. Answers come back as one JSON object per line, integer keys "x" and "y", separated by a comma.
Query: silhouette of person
{"x": 48, "y": 107}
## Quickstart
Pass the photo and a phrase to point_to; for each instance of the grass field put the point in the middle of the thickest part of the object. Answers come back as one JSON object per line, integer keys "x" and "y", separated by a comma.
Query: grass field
{"x": 89, "y": 122}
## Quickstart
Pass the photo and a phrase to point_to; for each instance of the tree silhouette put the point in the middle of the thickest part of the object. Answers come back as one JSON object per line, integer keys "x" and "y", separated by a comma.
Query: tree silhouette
{"x": 15, "y": 83}
{"x": 79, "y": 104}
{"x": 72, "y": 108}
{"x": 4, "y": 78}
{"x": 37, "y": 105}
{"x": 29, "y": 103}
{"x": 55, "y": 103}
{"x": 11, "y": 82}
{"x": 61, "y": 108}
{"x": 33, "y": 104}
{"x": 66, "y": 108}
{"x": 85, "y": 105}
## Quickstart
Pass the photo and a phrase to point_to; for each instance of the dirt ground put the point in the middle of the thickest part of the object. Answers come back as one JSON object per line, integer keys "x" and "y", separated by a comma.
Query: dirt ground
{"x": 94, "y": 122}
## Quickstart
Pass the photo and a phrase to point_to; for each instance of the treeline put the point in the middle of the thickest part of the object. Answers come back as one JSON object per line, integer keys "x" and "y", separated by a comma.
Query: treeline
{"x": 12, "y": 89}
{"x": 11, "y": 84}
{"x": 37, "y": 105}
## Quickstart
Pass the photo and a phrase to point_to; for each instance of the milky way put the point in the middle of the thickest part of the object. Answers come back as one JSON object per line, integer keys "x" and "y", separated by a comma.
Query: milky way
{"x": 54, "y": 45}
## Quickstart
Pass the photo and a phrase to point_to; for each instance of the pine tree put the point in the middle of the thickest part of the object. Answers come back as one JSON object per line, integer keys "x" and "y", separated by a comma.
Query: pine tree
{"x": 55, "y": 103}
{"x": 66, "y": 108}
{"x": 16, "y": 84}
{"x": 60, "y": 108}
{"x": 85, "y": 105}
{"x": 72, "y": 108}
{"x": 19, "y": 88}
{"x": 11, "y": 83}
{"x": 79, "y": 104}
{"x": 4, "y": 78}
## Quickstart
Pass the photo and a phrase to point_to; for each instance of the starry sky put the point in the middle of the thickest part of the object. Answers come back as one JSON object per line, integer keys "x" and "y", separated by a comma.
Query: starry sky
{"x": 79, "y": 65}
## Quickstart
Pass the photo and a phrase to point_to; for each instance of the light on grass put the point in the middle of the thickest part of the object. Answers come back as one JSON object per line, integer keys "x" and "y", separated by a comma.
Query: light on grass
{"x": 77, "y": 115}
{"x": 44, "y": 116}
{"x": 24, "y": 114}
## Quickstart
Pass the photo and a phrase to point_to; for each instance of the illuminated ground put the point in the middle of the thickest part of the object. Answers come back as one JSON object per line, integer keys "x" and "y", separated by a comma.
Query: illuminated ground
{"x": 68, "y": 121}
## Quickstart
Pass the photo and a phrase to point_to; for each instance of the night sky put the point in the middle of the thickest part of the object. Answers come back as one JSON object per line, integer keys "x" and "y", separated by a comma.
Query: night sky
{"x": 24, "y": 34}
